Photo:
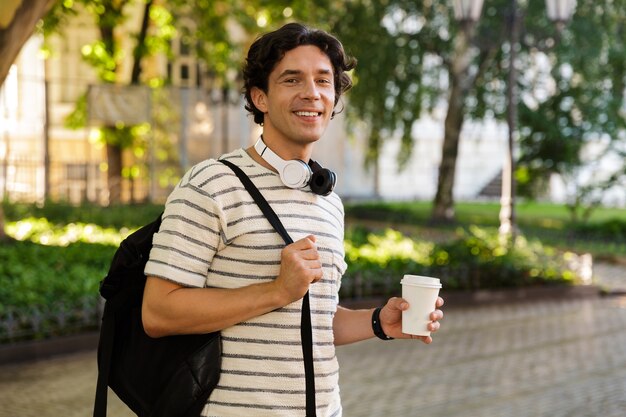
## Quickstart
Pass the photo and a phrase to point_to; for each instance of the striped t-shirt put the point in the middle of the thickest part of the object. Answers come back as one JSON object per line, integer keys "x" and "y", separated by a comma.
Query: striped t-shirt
{"x": 214, "y": 235}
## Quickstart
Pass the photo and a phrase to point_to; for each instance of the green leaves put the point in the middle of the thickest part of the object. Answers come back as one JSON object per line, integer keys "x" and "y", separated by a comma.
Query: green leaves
{"x": 475, "y": 259}
{"x": 38, "y": 276}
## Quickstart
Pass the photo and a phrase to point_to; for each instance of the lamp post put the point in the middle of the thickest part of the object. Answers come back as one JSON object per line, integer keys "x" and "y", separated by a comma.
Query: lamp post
{"x": 560, "y": 11}
{"x": 507, "y": 197}
{"x": 468, "y": 12}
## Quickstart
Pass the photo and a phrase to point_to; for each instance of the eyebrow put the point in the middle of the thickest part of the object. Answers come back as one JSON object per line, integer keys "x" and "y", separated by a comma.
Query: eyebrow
{"x": 288, "y": 72}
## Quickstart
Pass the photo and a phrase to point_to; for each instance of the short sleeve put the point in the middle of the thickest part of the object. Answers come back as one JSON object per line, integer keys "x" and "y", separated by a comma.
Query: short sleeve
{"x": 189, "y": 236}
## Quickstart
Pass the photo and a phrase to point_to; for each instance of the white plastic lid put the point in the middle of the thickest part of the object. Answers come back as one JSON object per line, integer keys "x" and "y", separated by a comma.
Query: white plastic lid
{"x": 421, "y": 281}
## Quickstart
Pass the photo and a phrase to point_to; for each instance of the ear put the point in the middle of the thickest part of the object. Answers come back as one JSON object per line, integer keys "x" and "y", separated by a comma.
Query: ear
{"x": 259, "y": 99}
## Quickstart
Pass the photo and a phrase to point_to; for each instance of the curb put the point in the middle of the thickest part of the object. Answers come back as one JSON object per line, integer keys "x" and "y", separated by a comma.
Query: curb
{"x": 44, "y": 349}
{"x": 34, "y": 350}
{"x": 518, "y": 295}
{"x": 479, "y": 298}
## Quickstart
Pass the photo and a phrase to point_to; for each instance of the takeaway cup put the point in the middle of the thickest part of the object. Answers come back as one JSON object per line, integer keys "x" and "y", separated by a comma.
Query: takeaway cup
{"x": 421, "y": 293}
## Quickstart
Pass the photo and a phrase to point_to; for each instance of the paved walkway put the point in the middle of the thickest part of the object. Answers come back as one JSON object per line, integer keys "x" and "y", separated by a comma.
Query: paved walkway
{"x": 549, "y": 358}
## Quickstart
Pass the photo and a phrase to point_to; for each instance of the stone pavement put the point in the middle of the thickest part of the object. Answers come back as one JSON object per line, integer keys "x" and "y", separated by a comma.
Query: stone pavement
{"x": 539, "y": 359}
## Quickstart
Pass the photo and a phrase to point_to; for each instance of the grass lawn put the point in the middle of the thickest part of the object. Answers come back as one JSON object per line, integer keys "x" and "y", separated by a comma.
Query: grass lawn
{"x": 544, "y": 215}
{"x": 549, "y": 222}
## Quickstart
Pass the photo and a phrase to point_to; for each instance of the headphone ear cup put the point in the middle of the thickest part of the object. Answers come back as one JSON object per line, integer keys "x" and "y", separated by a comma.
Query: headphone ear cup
{"x": 323, "y": 181}
{"x": 295, "y": 174}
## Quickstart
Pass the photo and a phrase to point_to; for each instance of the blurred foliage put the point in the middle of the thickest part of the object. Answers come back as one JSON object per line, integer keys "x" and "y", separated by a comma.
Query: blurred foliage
{"x": 603, "y": 233}
{"x": 36, "y": 276}
{"x": 571, "y": 84}
{"x": 61, "y": 214}
{"x": 61, "y": 252}
{"x": 41, "y": 231}
{"x": 580, "y": 100}
{"x": 476, "y": 258}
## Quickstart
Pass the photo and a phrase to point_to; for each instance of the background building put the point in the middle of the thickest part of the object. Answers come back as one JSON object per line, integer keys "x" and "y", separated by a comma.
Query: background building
{"x": 192, "y": 120}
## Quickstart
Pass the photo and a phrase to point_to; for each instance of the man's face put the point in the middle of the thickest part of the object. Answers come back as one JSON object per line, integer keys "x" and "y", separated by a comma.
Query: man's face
{"x": 300, "y": 97}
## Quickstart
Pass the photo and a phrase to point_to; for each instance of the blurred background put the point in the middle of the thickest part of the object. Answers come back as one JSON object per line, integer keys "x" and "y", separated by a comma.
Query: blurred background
{"x": 482, "y": 142}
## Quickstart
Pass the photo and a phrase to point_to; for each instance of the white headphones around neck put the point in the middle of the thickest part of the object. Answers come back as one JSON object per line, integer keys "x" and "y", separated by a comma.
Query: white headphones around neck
{"x": 296, "y": 173}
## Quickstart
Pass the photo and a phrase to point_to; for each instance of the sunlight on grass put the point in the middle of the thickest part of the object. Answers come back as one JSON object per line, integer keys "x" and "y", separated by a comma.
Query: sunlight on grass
{"x": 40, "y": 230}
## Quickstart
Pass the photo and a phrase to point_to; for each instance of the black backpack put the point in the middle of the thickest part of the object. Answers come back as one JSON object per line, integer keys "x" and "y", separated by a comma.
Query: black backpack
{"x": 170, "y": 376}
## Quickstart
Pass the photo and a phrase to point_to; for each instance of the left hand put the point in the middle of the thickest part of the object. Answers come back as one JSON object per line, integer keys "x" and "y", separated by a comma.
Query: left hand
{"x": 391, "y": 319}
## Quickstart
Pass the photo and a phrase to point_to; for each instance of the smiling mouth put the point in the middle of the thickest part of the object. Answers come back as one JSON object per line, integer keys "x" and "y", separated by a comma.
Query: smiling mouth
{"x": 308, "y": 113}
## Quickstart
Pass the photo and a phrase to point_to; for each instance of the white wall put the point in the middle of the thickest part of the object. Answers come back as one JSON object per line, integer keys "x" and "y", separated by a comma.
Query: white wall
{"x": 482, "y": 149}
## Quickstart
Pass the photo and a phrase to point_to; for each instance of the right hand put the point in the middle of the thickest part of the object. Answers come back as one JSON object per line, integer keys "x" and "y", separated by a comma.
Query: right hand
{"x": 300, "y": 266}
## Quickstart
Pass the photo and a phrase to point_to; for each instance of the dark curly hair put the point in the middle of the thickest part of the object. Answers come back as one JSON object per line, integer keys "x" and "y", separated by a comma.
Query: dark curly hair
{"x": 270, "y": 48}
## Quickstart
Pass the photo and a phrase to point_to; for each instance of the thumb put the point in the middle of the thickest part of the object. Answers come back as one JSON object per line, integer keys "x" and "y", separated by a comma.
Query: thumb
{"x": 397, "y": 303}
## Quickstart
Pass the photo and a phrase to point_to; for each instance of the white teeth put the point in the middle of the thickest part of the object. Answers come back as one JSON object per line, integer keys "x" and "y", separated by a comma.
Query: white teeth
{"x": 306, "y": 113}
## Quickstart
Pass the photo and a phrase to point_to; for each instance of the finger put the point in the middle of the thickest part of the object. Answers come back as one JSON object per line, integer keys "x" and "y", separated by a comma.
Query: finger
{"x": 304, "y": 243}
{"x": 310, "y": 254}
{"x": 434, "y": 326}
{"x": 426, "y": 339}
{"x": 310, "y": 241}
{"x": 313, "y": 264}
{"x": 436, "y": 315}
{"x": 439, "y": 302}
{"x": 317, "y": 275}
{"x": 317, "y": 278}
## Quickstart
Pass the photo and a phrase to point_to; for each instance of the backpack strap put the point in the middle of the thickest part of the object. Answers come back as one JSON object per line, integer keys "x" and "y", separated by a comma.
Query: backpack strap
{"x": 104, "y": 366}
{"x": 306, "y": 332}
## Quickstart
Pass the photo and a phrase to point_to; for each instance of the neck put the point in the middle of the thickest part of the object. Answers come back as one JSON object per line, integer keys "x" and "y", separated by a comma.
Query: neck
{"x": 258, "y": 159}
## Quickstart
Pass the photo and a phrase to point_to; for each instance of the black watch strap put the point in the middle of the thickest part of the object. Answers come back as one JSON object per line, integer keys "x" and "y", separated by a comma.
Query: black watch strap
{"x": 377, "y": 326}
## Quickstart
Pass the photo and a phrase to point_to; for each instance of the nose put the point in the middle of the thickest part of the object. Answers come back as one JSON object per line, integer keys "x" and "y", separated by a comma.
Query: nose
{"x": 310, "y": 90}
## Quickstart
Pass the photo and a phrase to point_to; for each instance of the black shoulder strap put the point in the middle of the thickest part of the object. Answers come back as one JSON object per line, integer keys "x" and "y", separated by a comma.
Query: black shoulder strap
{"x": 260, "y": 201}
{"x": 104, "y": 365}
{"x": 305, "y": 324}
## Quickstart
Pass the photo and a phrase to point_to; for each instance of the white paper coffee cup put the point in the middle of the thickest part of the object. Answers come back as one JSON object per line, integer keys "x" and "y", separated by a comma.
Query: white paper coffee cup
{"x": 421, "y": 294}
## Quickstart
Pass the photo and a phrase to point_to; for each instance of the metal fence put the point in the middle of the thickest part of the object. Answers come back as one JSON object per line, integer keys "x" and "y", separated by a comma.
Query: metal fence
{"x": 42, "y": 158}
{"x": 41, "y": 322}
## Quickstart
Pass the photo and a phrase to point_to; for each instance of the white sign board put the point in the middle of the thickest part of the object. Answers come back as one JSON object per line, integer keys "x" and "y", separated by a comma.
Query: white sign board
{"x": 109, "y": 104}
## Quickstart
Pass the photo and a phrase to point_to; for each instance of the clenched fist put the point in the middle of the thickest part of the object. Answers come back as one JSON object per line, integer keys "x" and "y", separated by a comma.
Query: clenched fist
{"x": 300, "y": 266}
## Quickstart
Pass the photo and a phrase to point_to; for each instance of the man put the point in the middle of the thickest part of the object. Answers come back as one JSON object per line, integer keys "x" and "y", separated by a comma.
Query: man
{"x": 217, "y": 264}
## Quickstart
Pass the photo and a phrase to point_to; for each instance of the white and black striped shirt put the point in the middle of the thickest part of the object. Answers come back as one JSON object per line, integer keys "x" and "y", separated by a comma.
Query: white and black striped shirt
{"x": 214, "y": 235}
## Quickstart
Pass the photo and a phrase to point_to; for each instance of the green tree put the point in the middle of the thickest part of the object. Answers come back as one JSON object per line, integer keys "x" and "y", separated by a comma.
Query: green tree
{"x": 105, "y": 56}
{"x": 219, "y": 37}
{"x": 587, "y": 104}
{"x": 413, "y": 56}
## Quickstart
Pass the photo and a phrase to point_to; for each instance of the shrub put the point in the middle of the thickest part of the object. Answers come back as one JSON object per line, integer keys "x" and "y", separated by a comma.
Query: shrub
{"x": 50, "y": 276}
{"x": 35, "y": 275}
{"x": 50, "y": 290}
{"x": 131, "y": 216}
{"x": 488, "y": 262}
{"x": 475, "y": 259}
{"x": 611, "y": 230}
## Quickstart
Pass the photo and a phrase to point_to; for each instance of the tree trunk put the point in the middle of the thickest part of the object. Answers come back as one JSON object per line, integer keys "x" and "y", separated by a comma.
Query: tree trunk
{"x": 443, "y": 207}
{"x": 141, "y": 47}
{"x": 3, "y": 234}
{"x": 460, "y": 83}
{"x": 17, "y": 21}
{"x": 115, "y": 150}
{"x": 114, "y": 173}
